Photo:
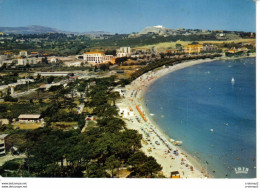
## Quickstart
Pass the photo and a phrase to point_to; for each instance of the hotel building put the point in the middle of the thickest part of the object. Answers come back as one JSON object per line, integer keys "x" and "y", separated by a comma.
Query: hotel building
{"x": 97, "y": 57}
{"x": 123, "y": 52}
{"x": 197, "y": 48}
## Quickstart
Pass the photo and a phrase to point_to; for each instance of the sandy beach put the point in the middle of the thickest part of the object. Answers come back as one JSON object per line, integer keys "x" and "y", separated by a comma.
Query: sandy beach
{"x": 155, "y": 142}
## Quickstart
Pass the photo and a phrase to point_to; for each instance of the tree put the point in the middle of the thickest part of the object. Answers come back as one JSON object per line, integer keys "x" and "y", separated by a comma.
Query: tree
{"x": 50, "y": 79}
{"x": 151, "y": 166}
{"x": 94, "y": 170}
{"x": 38, "y": 77}
{"x": 114, "y": 96}
{"x": 143, "y": 166}
{"x": 3, "y": 109}
{"x": 194, "y": 42}
{"x": 112, "y": 163}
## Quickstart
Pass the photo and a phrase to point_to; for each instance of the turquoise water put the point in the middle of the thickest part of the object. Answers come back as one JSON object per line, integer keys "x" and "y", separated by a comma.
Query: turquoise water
{"x": 188, "y": 103}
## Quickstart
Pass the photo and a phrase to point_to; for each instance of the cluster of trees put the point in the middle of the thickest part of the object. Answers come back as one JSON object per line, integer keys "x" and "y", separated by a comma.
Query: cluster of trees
{"x": 8, "y": 79}
{"x": 99, "y": 151}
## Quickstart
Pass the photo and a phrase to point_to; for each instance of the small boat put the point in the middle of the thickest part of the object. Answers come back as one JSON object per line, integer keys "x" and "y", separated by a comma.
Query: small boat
{"x": 232, "y": 80}
{"x": 211, "y": 130}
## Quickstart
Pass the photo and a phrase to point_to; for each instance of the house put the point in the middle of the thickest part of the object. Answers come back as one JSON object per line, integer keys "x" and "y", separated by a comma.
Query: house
{"x": 30, "y": 118}
{"x": 3, "y": 143}
{"x": 45, "y": 87}
{"x": 23, "y": 53}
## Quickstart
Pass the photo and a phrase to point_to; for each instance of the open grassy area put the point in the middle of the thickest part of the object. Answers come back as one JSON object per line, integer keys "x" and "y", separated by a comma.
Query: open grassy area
{"x": 26, "y": 125}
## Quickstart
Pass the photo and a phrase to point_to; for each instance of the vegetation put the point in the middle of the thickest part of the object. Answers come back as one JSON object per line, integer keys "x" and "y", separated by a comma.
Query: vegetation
{"x": 64, "y": 45}
{"x": 99, "y": 151}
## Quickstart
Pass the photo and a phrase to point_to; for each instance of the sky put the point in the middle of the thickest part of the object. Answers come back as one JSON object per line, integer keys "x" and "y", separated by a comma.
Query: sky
{"x": 127, "y": 16}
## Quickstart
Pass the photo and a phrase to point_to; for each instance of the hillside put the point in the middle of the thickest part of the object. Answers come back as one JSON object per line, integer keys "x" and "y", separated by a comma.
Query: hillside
{"x": 33, "y": 29}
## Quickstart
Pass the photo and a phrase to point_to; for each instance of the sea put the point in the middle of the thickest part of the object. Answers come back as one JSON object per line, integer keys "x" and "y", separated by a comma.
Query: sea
{"x": 214, "y": 116}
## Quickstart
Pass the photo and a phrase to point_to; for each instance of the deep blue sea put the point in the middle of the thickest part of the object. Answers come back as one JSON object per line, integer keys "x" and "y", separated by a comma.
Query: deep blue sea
{"x": 188, "y": 103}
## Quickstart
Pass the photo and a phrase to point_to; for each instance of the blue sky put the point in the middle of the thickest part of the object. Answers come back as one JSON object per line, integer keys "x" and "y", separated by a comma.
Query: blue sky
{"x": 126, "y": 16}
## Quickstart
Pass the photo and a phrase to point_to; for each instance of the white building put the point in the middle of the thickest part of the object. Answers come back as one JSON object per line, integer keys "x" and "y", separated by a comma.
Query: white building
{"x": 25, "y": 61}
{"x": 53, "y": 60}
{"x": 2, "y": 59}
{"x": 73, "y": 64}
{"x": 7, "y": 62}
{"x": 123, "y": 52}
{"x": 23, "y": 53}
{"x": 96, "y": 57}
{"x": 30, "y": 118}
{"x": 51, "y": 73}
{"x": 3, "y": 144}
{"x": 25, "y": 81}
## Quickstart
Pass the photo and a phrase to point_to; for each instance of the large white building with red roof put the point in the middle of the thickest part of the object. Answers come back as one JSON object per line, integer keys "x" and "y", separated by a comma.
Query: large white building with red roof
{"x": 97, "y": 57}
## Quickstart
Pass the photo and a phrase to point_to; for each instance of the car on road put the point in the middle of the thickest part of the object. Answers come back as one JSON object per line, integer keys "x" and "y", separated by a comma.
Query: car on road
{"x": 89, "y": 117}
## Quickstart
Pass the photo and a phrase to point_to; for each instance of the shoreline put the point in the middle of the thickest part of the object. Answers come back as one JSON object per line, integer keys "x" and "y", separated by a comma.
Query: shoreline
{"x": 169, "y": 161}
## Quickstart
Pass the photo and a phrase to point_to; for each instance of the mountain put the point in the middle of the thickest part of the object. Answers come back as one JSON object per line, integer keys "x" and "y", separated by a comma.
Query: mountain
{"x": 37, "y": 29}
{"x": 33, "y": 29}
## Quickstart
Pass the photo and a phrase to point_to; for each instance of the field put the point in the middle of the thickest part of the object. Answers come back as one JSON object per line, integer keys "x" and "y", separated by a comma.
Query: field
{"x": 26, "y": 125}
{"x": 64, "y": 125}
